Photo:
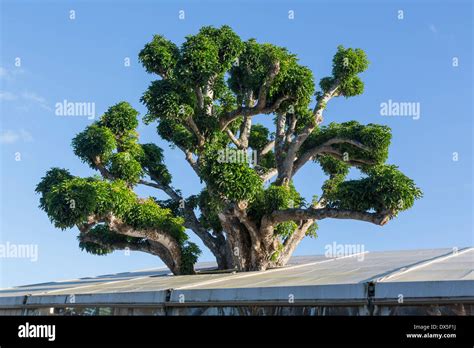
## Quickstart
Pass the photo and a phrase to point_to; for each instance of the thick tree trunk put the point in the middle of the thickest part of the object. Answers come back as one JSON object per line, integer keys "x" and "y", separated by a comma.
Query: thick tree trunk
{"x": 250, "y": 248}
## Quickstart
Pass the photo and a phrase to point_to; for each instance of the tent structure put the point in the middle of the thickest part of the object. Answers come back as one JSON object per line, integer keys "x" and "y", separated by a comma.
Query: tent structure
{"x": 409, "y": 282}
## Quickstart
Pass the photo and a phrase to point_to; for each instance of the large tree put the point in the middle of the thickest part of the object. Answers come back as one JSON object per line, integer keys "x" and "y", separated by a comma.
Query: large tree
{"x": 249, "y": 214}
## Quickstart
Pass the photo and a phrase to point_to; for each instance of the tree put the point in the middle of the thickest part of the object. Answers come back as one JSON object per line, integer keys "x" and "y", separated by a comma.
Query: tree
{"x": 203, "y": 102}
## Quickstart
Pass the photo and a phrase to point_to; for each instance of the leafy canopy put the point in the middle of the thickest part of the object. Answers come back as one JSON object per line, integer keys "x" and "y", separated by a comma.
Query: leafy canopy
{"x": 211, "y": 75}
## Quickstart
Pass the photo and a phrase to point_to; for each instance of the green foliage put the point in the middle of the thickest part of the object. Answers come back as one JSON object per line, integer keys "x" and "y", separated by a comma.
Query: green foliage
{"x": 94, "y": 142}
{"x": 285, "y": 229}
{"x": 259, "y": 137}
{"x": 277, "y": 198}
{"x": 71, "y": 201}
{"x": 226, "y": 100}
{"x": 250, "y": 70}
{"x": 332, "y": 166}
{"x": 147, "y": 214}
{"x": 212, "y": 74}
{"x": 177, "y": 134}
{"x": 159, "y": 56}
{"x": 167, "y": 99}
{"x": 384, "y": 189}
{"x": 233, "y": 181}
{"x": 346, "y": 64}
{"x": 128, "y": 142}
{"x": 53, "y": 177}
{"x": 120, "y": 118}
{"x": 208, "y": 53}
{"x": 210, "y": 207}
{"x": 255, "y": 64}
{"x": 304, "y": 118}
{"x": 125, "y": 167}
{"x": 351, "y": 86}
{"x": 312, "y": 231}
{"x": 108, "y": 240}
{"x": 294, "y": 81}
{"x": 189, "y": 256}
{"x": 376, "y": 137}
{"x": 281, "y": 197}
{"x": 153, "y": 162}
{"x": 267, "y": 160}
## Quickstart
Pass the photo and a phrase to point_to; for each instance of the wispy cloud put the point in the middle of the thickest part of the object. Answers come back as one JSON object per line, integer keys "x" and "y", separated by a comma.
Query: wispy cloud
{"x": 7, "y": 96}
{"x": 10, "y": 136}
{"x": 10, "y": 74}
{"x": 33, "y": 97}
{"x": 25, "y": 96}
{"x": 433, "y": 29}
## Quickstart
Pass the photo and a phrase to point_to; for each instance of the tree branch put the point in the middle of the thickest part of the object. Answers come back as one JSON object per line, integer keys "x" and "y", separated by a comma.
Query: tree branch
{"x": 249, "y": 111}
{"x": 263, "y": 92}
{"x": 267, "y": 148}
{"x": 199, "y": 96}
{"x": 270, "y": 221}
{"x": 279, "y": 216}
{"x": 293, "y": 240}
{"x": 172, "y": 257}
{"x": 190, "y": 219}
{"x": 101, "y": 168}
{"x": 189, "y": 158}
{"x": 269, "y": 174}
{"x": 326, "y": 148}
{"x": 145, "y": 246}
{"x": 194, "y": 128}
{"x": 245, "y": 132}
{"x": 286, "y": 168}
{"x": 233, "y": 138}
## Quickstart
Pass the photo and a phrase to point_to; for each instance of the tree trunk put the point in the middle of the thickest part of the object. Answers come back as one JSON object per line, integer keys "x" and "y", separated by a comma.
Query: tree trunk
{"x": 248, "y": 251}
{"x": 258, "y": 249}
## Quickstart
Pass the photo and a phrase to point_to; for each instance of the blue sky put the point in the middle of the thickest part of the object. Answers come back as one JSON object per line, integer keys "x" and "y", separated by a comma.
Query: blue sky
{"x": 82, "y": 60}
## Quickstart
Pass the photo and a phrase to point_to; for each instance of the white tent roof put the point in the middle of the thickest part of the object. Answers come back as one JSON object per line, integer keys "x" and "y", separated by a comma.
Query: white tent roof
{"x": 433, "y": 273}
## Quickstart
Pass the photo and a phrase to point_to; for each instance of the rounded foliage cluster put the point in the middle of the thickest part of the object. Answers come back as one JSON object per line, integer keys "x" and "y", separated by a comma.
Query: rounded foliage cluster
{"x": 259, "y": 137}
{"x": 153, "y": 162}
{"x": 234, "y": 181}
{"x": 385, "y": 189}
{"x": 346, "y": 64}
{"x": 159, "y": 56}
{"x": 95, "y": 143}
{"x": 120, "y": 118}
{"x": 210, "y": 52}
{"x": 124, "y": 166}
{"x": 375, "y": 137}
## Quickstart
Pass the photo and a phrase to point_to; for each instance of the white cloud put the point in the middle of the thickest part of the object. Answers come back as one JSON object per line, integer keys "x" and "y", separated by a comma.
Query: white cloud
{"x": 26, "y": 136}
{"x": 5, "y": 95}
{"x": 10, "y": 74}
{"x": 10, "y": 136}
{"x": 25, "y": 96}
{"x": 33, "y": 97}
